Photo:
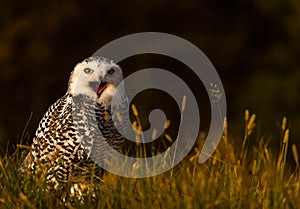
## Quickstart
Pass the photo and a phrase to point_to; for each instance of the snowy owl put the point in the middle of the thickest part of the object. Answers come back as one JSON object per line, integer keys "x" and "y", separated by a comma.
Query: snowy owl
{"x": 66, "y": 141}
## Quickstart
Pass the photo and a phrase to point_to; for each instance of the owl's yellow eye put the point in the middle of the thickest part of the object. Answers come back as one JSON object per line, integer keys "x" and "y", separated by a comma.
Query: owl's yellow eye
{"x": 88, "y": 70}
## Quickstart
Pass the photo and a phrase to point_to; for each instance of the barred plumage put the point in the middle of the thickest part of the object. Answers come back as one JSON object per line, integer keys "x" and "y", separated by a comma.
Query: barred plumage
{"x": 66, "y": 136}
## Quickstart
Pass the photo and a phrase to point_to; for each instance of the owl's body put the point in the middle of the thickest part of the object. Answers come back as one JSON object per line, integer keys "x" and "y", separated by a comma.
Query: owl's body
{"x": 70, "y": 133}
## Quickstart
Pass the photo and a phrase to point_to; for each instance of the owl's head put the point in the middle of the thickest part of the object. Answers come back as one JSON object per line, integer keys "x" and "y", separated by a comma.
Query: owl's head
{"x": 95, "y": 77}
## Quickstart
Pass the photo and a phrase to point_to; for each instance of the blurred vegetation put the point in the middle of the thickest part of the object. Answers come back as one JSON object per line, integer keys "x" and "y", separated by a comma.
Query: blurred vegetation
{"x": 254, "y": 46}
{"x": 234, "y": 177}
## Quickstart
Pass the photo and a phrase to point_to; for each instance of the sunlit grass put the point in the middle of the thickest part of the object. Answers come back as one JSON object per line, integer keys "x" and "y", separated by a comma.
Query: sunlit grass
{"x": 236, "y": 176}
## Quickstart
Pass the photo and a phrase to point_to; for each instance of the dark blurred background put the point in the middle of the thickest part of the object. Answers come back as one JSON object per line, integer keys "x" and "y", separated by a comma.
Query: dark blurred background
{"x": 254, "y": 45}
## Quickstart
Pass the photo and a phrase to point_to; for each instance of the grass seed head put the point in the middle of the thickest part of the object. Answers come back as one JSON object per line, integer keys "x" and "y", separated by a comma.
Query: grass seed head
{"x": 167, "y": 124}
{"x": 134, "y": 110}
{"x": 295, "y": 154}
{"x": 169, "y": 138}
{"x": 154, "y": 133}
{"x": 286, "y": 136}
{"x": 251, "y": 124}
{"x": 284, "y": 124}
{"x": 247, "y": 115}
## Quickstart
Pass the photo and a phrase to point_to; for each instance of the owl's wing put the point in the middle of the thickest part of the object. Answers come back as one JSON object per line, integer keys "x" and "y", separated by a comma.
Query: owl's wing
{"x": 50, "y": 127}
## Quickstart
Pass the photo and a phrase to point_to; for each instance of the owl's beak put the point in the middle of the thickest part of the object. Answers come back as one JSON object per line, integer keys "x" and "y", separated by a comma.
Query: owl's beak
{"x": 101, "y": 88}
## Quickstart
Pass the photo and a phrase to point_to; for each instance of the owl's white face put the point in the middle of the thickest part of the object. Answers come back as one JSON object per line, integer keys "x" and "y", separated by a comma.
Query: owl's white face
{"x": 97, "y": 78}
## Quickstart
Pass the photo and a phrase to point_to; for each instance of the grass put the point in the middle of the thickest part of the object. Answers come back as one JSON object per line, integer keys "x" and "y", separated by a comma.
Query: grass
{"x": 236, "y": 176}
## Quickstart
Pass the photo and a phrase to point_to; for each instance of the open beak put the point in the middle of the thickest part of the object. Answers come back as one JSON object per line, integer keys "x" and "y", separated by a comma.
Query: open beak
{"x": 101, "y": 88}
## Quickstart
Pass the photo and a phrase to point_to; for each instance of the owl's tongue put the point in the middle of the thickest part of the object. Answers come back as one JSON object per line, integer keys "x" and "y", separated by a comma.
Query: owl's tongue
{"x": 101, "y": 87}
